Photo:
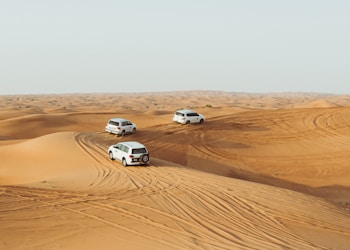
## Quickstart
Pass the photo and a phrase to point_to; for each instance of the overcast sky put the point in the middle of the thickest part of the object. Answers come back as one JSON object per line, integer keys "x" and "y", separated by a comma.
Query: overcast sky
{"x": 257, "y": 46}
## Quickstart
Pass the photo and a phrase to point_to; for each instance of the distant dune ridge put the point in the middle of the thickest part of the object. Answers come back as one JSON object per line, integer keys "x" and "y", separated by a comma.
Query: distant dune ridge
{"x": 320, "y": 103}
{"x": 265, "y": 171}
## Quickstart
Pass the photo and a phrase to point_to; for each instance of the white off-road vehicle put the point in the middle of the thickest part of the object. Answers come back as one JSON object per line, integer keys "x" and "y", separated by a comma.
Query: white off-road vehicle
{"x": 120, "y": 126}
{"x": 187, "y": 116}
{"x": 129, "y": 153}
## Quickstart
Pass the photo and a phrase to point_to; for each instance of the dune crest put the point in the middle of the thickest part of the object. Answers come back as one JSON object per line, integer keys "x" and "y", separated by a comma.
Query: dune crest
{"x": 319, "y": 103}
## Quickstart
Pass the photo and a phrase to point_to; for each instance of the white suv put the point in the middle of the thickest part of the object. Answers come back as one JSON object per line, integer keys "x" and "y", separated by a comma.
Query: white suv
{"x": 129, "y": 153}
{"x": 187, "y": 116}
{"x": 120, "y": 126}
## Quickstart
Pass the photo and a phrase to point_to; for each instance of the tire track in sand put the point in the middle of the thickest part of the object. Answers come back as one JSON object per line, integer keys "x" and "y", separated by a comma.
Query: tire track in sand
{"x": 192, "y": 221}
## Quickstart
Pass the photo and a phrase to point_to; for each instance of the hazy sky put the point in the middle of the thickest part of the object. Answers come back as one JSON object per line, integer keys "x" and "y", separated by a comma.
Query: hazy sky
{"x": 85, "y": 46}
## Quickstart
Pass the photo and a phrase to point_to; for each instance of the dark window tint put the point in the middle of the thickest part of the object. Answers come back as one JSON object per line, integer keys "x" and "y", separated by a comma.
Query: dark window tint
{"x": 139, "y": 151}
{"x": 114, "y": 123}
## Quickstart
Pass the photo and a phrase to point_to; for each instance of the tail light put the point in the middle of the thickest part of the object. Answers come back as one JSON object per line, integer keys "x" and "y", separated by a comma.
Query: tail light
{"x": 131, "y": 156}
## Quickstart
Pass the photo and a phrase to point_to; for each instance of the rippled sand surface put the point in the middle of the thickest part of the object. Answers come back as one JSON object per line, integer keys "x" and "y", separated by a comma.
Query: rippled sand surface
{"x": 263, "y": 172}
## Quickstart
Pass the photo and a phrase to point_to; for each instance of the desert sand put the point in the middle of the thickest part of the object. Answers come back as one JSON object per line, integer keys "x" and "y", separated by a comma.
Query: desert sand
{"x": 265, "y": 171}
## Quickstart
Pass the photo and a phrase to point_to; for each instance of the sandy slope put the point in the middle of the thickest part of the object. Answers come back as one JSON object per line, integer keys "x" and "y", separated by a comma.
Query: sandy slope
{"x": 263, "y": 172}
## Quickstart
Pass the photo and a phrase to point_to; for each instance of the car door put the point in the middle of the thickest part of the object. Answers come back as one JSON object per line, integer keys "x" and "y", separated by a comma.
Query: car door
{"x": 126, "y": 127}
{"x": 130, "y": 127}
{"x": 117, "y": 152}
{"x": 194, "y": 117}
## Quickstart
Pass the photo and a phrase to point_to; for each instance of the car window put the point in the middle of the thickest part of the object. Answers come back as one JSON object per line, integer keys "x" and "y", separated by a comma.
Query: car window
{"x": 139, "y": 151}
{"x": 123, "y": 148}
{"x": 179, "y": 114}
{"x": 114, "y": 123}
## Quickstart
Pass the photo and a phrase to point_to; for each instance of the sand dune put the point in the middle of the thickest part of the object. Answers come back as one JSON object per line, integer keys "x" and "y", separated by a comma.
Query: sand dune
{"x": 260, "y": 173}
{"x": 320, "y": 103}
{"x": 44, "y": 159}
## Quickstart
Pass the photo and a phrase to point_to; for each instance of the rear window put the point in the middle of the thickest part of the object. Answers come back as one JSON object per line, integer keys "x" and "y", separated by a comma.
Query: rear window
{"x": 114, "y": 123}
{"x": 139, "y": 151}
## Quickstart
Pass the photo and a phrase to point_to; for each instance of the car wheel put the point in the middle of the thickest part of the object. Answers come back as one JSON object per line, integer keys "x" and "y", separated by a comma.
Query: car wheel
{"x": 145, "y": 158}
{"x": 187, "y": 122}
{"x": 124, "y": 162}
{"x": 123, "y": 133}
{"x": 201, "y": 121}
{"x": 111, "y": 155}
{"x": 134, "y": 131}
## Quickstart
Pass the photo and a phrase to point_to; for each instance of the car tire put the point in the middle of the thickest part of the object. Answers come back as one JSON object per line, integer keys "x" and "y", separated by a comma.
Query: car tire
{"x": 145, "y": 158}
{"x": 123, "y": 133}
{"x": 188, "y": 122}
{"x": 201, "y": 121}
{"x": 124, "y": 162}
{"x": 111, "y": 155}
{"x": 134, "y": 131}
